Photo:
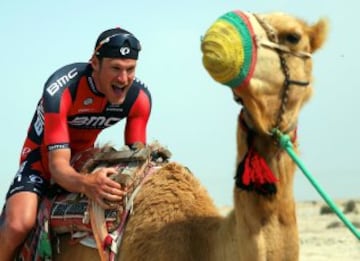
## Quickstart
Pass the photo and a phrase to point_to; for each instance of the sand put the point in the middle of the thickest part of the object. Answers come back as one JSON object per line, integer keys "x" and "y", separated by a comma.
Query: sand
{"x": 323, "y": 236}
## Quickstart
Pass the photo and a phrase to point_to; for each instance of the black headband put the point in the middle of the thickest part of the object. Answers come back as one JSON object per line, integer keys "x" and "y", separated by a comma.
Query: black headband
{"x": 118, "y": 45}
{"x": 118, "y": 52}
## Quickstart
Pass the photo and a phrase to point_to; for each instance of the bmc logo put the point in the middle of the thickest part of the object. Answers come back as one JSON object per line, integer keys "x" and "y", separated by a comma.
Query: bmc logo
{"x": 61, "y": 82}
{"x": 96, "y": 122}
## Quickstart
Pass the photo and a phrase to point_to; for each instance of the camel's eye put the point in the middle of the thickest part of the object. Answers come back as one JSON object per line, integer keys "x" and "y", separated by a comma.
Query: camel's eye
{"x": 292, "y": 38}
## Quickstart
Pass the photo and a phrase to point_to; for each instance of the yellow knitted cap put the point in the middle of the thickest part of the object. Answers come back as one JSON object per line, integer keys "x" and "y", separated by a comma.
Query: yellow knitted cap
{"x": 228, "y": 50}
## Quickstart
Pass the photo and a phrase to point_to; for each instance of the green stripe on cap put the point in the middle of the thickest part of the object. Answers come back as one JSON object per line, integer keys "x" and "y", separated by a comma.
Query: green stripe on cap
{"x": 246, "y": 38}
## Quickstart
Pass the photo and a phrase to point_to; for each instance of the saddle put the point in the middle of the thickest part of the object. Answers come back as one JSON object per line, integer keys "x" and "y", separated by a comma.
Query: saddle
{"x": 62, "y": 212}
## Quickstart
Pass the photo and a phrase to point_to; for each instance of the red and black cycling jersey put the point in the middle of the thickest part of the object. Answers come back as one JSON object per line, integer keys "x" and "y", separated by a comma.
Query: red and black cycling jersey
{"x": 71, "y": 113}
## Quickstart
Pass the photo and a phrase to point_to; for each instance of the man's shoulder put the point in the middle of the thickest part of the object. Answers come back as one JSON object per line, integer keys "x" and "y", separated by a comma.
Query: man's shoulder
{"x": 139, "y": 84}
{"x": 138, "y": 94}
{"x": 68, "y": 72}
{"x": 66, "y": 75}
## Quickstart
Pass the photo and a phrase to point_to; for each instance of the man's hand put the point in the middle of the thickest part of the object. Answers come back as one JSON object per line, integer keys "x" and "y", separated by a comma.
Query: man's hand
{"x": 102, "y": 189}
{"x": 97, "y": 186}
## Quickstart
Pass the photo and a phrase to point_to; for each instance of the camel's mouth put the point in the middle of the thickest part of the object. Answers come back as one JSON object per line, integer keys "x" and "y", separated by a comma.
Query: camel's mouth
{"x": 229, "y": 50}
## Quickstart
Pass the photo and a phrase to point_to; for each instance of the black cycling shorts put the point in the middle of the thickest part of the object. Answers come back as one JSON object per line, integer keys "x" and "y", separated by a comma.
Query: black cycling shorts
{"x": 28, "y": 179}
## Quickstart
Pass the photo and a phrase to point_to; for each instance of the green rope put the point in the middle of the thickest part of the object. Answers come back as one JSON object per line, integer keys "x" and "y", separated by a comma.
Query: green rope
{"x": 285, "y": 143}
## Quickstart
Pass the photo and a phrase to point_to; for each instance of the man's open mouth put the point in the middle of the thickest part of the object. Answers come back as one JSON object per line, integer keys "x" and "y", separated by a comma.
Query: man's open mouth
{"x": 118, "y": 90}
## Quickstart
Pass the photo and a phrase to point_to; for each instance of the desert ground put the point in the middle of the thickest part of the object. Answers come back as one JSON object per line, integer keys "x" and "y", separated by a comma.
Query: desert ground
{"x": 323, "y": 236}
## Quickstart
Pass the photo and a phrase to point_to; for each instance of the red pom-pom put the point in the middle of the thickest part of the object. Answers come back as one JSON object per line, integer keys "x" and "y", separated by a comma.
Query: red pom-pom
{"x": 107, "y": 241}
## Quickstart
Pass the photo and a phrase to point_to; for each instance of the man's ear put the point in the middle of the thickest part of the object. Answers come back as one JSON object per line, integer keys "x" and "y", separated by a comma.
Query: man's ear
{"x": 95, "y": 63}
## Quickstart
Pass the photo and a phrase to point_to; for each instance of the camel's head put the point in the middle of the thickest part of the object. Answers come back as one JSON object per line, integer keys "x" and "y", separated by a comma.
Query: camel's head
{"x": 266, "y": 60}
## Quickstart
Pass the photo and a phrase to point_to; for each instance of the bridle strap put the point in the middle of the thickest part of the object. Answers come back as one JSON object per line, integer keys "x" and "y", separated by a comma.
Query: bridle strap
{"x": 299, "y": 83}
{"x": 272, "y": 42}
{"x": 283, "y": 48}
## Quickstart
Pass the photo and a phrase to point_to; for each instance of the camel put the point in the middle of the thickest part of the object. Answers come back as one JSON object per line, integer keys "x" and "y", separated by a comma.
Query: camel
{"x": 266, "y": 60}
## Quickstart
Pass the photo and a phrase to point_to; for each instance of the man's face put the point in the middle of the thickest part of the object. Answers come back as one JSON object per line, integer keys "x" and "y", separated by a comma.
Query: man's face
{"x": 113, "y": 77}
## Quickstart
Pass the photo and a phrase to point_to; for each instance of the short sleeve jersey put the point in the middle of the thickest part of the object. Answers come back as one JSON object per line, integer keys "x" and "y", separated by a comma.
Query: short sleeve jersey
{"x": 72, "y": 112}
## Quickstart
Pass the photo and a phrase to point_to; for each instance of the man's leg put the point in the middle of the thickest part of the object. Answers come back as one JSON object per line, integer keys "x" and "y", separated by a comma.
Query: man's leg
{"x": 19, "y": 219}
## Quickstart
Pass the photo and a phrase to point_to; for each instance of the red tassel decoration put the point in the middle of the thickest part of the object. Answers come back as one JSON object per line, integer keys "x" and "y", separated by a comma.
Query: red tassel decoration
{"x": 256, "y": 170}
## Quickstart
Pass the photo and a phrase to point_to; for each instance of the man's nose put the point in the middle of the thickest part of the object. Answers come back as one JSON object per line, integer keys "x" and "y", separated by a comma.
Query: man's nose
{"x": 122, "y": 77}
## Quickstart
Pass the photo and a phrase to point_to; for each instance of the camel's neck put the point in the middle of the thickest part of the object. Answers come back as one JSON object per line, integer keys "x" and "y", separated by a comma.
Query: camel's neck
{"x": 260, "y": 160}
{"x": 265, "y": 215}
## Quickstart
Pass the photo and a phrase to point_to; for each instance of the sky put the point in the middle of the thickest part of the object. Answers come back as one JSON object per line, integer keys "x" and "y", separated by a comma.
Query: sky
{"x": 192, "y": 115}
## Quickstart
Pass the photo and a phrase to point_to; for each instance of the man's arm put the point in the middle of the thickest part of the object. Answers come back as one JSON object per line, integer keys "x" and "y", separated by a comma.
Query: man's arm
{"x": 97, "y": 186}
{"x": 137, "y": 120}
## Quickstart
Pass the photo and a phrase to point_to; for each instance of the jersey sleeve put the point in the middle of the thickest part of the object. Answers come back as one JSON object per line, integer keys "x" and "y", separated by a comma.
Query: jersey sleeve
{"x": 136, "y": 123}
{"x": 56, "y": 132}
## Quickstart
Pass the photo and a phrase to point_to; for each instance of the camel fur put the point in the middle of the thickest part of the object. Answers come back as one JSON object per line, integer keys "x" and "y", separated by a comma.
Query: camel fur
{"x": 174, "y": 217}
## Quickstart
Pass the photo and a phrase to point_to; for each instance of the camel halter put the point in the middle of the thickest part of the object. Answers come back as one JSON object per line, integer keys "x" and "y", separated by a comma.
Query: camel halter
{"x": 273, "y": 43}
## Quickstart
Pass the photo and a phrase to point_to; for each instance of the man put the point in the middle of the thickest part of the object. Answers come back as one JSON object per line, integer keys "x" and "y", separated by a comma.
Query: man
{"x": 78, "y": 102}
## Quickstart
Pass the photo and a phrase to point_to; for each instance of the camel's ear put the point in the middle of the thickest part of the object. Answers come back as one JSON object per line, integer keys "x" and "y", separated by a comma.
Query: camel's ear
{"x": 318, "y": 34}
